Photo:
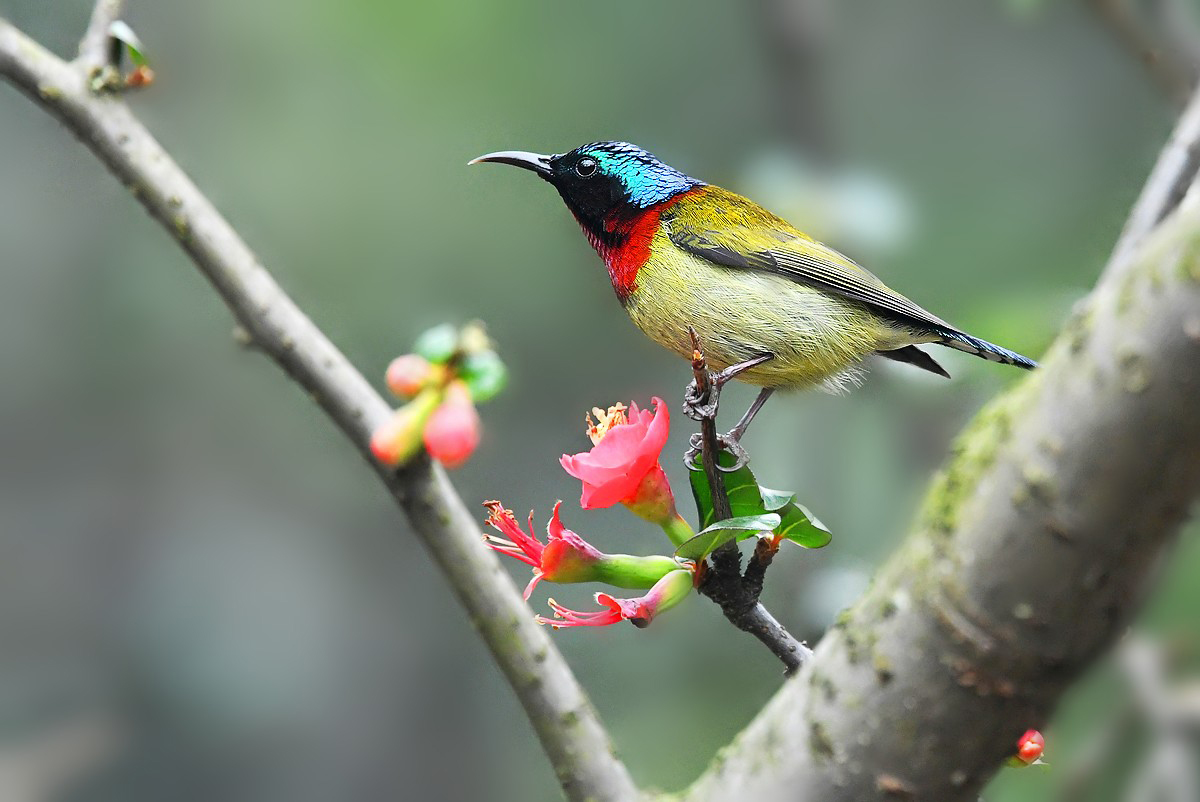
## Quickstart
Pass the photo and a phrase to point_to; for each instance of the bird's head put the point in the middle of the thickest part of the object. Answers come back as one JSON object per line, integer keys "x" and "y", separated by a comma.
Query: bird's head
{"x": 602, "y": 180}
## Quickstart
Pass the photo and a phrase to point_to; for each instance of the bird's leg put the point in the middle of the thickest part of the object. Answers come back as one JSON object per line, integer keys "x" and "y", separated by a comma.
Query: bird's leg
{"x": 700, "y": 403}
{"x": 739, "y": 429}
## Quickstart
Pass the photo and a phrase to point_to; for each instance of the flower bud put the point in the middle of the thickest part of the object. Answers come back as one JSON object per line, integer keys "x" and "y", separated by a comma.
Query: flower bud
{"x": 140, "y": 77}
{"x": 399, "y": 439}
{"x": 407, "y": 374}
{"x": 453, "y": 430}
{"x": 1030, "y": 746}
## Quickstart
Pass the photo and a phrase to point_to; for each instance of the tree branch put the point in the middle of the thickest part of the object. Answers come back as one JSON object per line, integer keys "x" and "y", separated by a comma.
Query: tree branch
{"x": 1175, "y": 171}
{"x": 735, "y": 594}
{"x": 568, "y": 727}
{"x": 1168, "y": 56}
{"x": 94, "y": 46}
{"x": 1030, "y": 555}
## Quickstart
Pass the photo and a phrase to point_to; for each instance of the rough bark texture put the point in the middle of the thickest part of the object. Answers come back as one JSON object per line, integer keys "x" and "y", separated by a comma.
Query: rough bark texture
{"x": 1030, "y": 554}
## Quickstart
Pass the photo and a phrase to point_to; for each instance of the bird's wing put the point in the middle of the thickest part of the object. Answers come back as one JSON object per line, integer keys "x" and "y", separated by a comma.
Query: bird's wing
{"x": 729, "y": 230}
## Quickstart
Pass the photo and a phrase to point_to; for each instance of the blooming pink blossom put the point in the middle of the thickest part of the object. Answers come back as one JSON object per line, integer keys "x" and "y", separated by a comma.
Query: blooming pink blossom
{"x": 623, "y": 464}
{"x": 566, "y": 557}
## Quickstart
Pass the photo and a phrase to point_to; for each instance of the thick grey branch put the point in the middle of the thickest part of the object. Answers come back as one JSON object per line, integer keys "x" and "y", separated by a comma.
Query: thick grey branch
{"x": 568, "y": 727}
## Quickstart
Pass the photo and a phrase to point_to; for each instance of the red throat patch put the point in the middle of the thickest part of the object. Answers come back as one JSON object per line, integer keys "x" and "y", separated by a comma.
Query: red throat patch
{"x": 631, "y": 237}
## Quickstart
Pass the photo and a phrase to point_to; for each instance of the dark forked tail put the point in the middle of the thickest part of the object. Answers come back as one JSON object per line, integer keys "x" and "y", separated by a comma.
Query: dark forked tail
{"x": 982, "y": 348}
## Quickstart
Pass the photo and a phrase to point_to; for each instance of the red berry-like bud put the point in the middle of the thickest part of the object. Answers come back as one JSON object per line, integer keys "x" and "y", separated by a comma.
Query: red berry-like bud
{"x": 408, "y": 374}
{"x": 141, "y": 77}
{"x": 397, "y": 440}
{"x": 1030, "y": 746}
{"x": 453, "y": 431}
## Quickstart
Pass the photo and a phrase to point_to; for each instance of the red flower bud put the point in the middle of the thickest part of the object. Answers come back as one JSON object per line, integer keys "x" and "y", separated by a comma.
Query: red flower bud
{"x": 1030, "y": 746}
{"x": 408, "y": 374}
{"x": 399, "y": 439}
{"x": 141, "y": 77}
{"x": 453, "y": 431}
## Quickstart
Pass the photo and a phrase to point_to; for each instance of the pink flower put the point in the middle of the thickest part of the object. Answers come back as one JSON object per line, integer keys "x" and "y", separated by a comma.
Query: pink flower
{"x": 673, "y": 588}
{"x": 453, "y": 430}
{"x": 1030, "y": 746}
{"x": 623, "y": 463}
{"x": 566, "y": 557}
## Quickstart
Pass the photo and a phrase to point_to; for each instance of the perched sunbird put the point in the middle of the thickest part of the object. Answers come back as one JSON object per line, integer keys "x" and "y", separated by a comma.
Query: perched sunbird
{"x": 682, "y": 253}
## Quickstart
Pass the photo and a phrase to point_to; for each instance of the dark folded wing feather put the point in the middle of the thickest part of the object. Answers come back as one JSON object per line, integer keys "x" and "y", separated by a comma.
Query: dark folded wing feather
{"x": 809, "y": 262}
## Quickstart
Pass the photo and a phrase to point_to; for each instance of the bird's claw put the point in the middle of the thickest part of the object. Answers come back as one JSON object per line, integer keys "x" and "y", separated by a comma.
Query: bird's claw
{"x": 734, "y": 447}
{"x": 699, "y": 408}
{"x": 725, "y": 442}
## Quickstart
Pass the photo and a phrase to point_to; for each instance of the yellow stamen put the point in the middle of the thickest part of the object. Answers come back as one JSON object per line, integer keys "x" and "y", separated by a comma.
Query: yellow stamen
{"x": 605, "y": 420}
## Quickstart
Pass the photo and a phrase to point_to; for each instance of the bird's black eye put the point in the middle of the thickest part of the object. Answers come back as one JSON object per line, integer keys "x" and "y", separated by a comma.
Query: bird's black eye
{"x": 586, "y": 167}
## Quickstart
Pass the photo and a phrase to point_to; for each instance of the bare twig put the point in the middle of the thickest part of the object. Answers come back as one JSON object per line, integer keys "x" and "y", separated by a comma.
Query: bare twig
{"x": 570, "y": 731}
{"x": 736, "y": 595}
{"x": 1169, "y": 771}
{"x": 94, "y": 46}
{"x": 1173, "y": 173}
{"x": 1169, "y": 65}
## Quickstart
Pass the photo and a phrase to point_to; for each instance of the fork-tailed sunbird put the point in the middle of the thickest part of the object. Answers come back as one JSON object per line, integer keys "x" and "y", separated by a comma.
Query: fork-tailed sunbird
{"x": 682, "y": 253}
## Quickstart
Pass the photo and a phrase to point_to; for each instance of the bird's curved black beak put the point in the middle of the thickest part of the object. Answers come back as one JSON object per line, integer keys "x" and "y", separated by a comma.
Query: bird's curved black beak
{"x": 519, "y": 158}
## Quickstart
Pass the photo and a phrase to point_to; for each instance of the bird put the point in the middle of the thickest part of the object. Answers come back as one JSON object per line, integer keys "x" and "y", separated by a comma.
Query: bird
{"x": 772, "y": 306}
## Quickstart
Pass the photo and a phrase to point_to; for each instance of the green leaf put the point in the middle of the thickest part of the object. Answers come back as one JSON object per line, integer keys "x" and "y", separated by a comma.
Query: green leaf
{"x": 774, "y": 499}
{"x": 485, "y": 375}
{"x": 802, "y": 527}
{"x": 747, "y": 498}
{"x": 721, "y": 532}
{"x": 438, "y": 344}
{"x": 121, "y": 31}
{"x": 740, "y": 486}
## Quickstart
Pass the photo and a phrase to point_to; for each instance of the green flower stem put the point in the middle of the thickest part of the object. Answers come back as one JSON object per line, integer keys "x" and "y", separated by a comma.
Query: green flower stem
{"x": 679, "y": 530}
{"x": 628, "y": 571}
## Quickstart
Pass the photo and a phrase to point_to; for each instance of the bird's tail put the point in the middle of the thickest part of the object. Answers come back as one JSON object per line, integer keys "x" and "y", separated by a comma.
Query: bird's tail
{"x": 982, "y": 348}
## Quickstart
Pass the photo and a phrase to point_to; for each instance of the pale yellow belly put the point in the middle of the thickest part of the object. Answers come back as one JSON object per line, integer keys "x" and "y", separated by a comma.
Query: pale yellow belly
{"x": 814, "y": 336}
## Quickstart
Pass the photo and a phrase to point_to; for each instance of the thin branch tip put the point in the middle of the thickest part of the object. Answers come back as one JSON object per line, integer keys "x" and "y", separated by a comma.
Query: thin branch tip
{"x": 95, "y": 48}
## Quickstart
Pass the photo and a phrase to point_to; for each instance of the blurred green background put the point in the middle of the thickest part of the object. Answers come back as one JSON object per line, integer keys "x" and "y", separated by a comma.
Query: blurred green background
{"x": 204, "y": 595}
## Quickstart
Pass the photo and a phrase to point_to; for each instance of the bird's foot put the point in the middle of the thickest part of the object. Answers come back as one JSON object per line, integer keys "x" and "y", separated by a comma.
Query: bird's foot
{"x": 728, "y": 443}
{"x": 699, "y": 406}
